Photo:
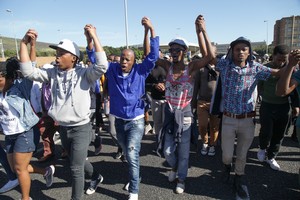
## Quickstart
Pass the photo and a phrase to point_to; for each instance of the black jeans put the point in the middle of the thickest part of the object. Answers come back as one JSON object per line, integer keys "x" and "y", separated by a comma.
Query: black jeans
{"x": 274, "y": 120}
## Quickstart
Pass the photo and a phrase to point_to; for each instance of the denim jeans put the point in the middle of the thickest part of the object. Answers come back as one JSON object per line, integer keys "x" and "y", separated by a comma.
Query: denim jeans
{"x": 75, "y": 140}
{"x": 129, "y": 135}
{"x": 20, "y": 143}
{"x": 4, "y": 162}
{"x": 178, "y": 160}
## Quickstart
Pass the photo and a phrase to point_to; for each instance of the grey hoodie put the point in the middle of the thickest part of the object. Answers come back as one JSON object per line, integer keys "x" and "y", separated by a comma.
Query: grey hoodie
{"x": 69, "y": 89}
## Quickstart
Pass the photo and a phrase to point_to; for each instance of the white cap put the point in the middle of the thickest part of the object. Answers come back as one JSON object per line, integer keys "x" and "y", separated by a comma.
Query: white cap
{"x": 67, "y": 45}
{"x": 180, "y": 41}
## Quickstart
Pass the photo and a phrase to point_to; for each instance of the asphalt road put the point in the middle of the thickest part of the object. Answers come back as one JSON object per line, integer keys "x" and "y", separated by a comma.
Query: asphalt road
{"x": 203, "y": 181}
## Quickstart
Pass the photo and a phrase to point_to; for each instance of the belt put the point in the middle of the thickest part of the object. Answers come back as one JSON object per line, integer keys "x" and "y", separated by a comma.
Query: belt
{"x": 241, "y": 116}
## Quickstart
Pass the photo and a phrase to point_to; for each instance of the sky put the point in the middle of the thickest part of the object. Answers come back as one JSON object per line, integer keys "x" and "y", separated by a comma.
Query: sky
{"x": 225, "y": 20}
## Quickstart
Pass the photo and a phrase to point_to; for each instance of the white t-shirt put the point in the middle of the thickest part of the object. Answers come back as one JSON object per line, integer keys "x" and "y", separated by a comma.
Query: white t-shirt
{"x": 9, "y": 118}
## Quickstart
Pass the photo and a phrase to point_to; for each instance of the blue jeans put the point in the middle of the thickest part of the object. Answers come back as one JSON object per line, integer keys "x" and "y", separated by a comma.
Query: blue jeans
{"x": 4, "y": 162}
{"x": 129, "y": 135}
{"x": 75, "y": 141}
{"x": 178, "y": 160}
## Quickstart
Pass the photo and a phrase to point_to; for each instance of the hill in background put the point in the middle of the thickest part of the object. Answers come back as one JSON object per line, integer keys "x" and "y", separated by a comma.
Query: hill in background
{"x": 9, "y": 44}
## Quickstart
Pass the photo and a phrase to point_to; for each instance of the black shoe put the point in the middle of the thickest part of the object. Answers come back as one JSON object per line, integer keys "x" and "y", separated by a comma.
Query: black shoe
{"x": 118, "y": 155}
{"x": 240, "y": 187}
{"x": 226, "y": 173}
{"x": 123, "y": 159}
{"x": 93, "y": 184}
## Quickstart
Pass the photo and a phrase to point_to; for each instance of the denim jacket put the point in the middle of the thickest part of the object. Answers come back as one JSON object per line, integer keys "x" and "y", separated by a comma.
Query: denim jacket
{"x": 18, "y": 96}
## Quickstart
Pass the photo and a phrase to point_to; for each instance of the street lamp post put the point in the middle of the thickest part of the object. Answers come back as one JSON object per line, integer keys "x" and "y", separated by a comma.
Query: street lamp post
{"x": 16, "y": 43}
{"x": 267, "y": 36}
{"x": 126, "y": 23}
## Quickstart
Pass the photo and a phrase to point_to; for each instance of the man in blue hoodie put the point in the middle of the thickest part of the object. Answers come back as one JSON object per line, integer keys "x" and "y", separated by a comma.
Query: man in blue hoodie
{"x": 126, "y": 86}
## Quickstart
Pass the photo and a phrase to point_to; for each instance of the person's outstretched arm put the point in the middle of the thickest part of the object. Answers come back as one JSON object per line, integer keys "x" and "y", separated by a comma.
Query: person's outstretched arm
{"x": 286, "y": 84}
{"x": 29, "y": 38}
{"x": 152, "y": 56}
{"x": 98, "y": 58}
{"x": 205, "y": 46}
{"x": 146, "y": 44}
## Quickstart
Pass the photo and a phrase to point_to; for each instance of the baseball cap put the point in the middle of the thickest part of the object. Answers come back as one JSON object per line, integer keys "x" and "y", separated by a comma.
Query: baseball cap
{"x": 67, "y": 45}
{"x": 240, "y": 40}
{"x": 180, "y": 41}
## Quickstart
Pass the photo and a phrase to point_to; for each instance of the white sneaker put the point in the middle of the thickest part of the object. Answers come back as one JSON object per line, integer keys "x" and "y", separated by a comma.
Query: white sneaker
{"x": 49, "y": 175}
{"x": 133, "y": 196}
{"x": 94, "y": 184}
{"x": 126, "y": 186}
{"x": 261, "y": 155}
{"x": 148, "y": 128}
{"x": 211, "y": 151}
{"x": 9, "y": 185}
{"x": 273, "y": 164}
{"x": 180, "y": 187}
{"x": 204, "y": 149}
{"x": 172, "y": 176}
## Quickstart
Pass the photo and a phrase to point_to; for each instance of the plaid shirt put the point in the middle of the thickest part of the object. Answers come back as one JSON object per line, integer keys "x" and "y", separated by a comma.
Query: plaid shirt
{"x": 239, "y": 91}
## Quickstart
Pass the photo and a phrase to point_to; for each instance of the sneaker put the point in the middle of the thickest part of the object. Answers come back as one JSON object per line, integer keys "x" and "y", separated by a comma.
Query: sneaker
{"x": 29, "y": 198}
{"x": 261, "y": 155}
{"x": 147, "y": 129}
{"x": 9, "y": 185}
{"x": 172, "y": 176}
{"x": 211, "y": 151}
{"x": 241, "y": 188}
{"x": 126, "y": 186}
{"x": 204, "y": 149}
{"x": 273, "y": 164}
{"x": 49, "y": 175}
{"x": 180, "y": 187}
{"x": 133, "y": 196}
{"x": 93, "y": 185}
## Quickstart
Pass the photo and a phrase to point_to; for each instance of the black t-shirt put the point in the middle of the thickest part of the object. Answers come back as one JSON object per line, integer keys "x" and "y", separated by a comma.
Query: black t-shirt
{"x": 157, "y": 75}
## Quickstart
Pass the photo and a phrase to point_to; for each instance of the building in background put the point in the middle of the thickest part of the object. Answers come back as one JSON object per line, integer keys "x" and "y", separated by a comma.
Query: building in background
{"x": 287, "y": 31}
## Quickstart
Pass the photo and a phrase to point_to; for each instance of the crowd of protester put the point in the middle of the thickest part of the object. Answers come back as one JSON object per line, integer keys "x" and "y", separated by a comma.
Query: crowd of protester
{"x": 72, "y": 95}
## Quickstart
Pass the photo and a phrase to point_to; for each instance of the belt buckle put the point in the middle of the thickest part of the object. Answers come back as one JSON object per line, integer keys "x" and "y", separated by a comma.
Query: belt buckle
{"x": 232, "y": 115}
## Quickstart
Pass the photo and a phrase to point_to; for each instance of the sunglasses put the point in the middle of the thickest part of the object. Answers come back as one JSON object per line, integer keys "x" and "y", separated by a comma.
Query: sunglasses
{"x": 175, "y": 50}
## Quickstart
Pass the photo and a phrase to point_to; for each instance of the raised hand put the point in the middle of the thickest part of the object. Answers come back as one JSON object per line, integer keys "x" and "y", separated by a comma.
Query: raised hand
{"x": 146, "y": 22}
{"x": 294, "y": 57}
{"x": 200, "y": 24}
{"x": 90, "y": 31}
{"x": 30, "y": 37}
